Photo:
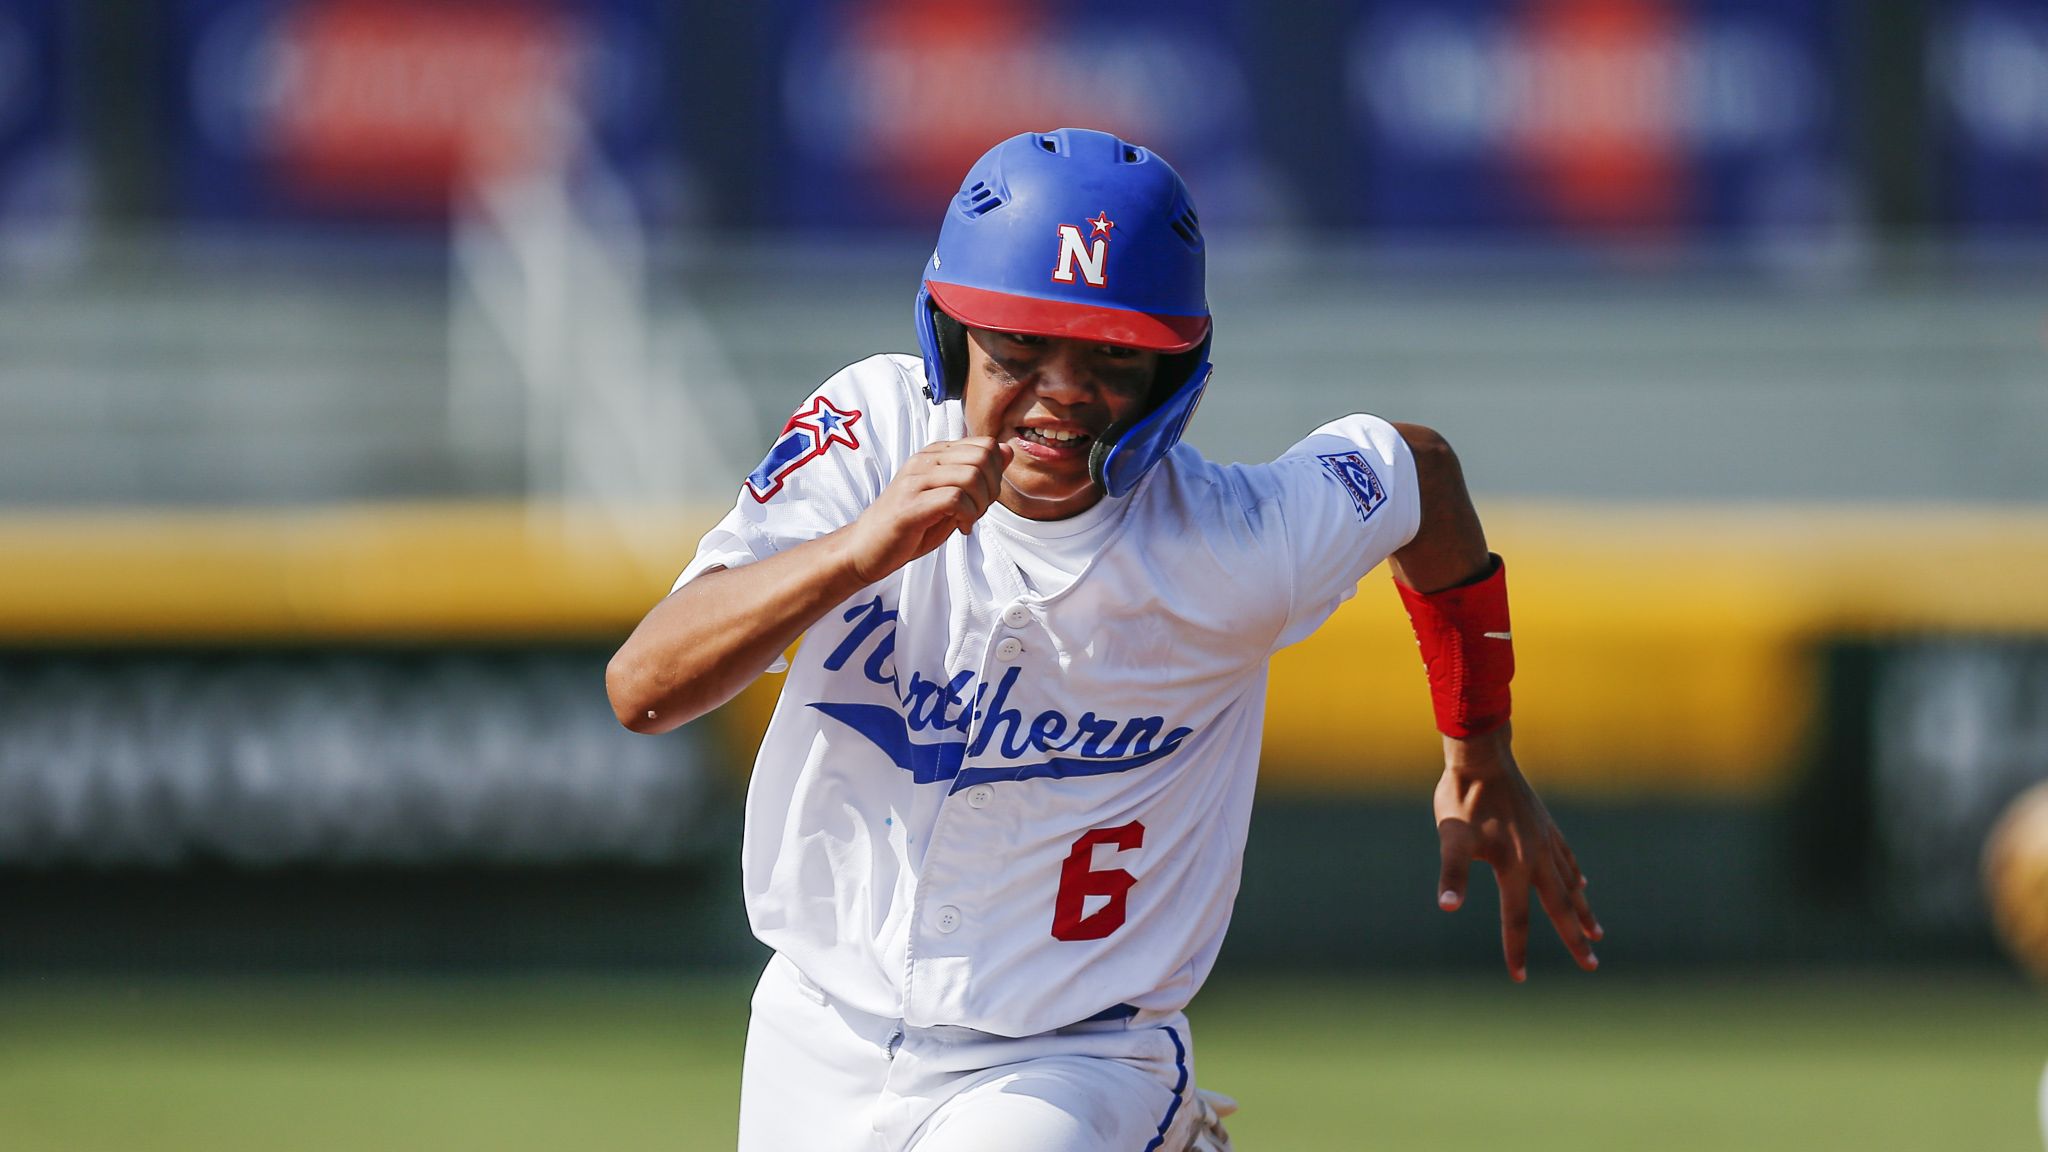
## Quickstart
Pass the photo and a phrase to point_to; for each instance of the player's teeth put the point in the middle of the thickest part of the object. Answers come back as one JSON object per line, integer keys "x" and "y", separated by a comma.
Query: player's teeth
{"x": 1053, "y": 436}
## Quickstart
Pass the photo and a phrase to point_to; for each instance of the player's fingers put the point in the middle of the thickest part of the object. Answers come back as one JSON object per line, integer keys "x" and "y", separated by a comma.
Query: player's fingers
{"x": 1557, "y": 904}
{"x": 974, "y": 453}
{"x": 990, "y": 472}
{"x": 1584, "y": 911}
{"x": 1567, "y": 870}
{"x": 1457, "y": 843}
{"x": 956, "y": 460}
{"x": 959, "y": 474}
{"x": 968, "y": 505}
{"x": 954, "y": 481}
{"x": 1514, "y": 922}
{"x": 1575, "y": 885}
{"x": 942, "y": 507}
{"x": 983, "y": 456}
{"x": 991, "y": 467}
{"x": 1575, "y": 891}
{"x": 1568, "y": 864}
{"x": 972, "y": 450}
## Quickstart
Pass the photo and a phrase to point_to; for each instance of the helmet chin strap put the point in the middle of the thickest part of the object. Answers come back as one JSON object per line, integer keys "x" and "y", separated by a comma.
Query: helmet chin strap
{"x": 1105, "y": 444}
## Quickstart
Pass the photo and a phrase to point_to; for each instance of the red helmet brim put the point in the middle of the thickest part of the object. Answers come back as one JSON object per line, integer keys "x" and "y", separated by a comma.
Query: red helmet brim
{"x": 1004, "y": 312}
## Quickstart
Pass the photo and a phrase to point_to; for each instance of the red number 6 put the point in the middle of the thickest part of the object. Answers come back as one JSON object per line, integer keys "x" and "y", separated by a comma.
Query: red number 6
{"x": 1078, "y": 881}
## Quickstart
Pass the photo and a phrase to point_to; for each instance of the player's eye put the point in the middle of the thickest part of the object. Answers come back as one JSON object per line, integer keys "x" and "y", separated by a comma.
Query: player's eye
{"x": 1116, "y": 352}
{"x": 1024, "y": 339}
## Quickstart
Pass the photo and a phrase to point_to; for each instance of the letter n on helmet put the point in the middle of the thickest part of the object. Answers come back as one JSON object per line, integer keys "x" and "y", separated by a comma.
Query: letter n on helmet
{"x": 1074, "y": 251}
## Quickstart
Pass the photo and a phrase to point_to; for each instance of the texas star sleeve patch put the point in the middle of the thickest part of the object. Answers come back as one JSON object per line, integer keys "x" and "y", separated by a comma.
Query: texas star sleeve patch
{"x": 807, "y": 436}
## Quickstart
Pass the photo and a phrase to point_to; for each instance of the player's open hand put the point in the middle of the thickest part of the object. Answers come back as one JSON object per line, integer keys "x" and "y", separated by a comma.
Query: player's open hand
{"x": 1485, "y": 810}
{"x": 943, "y": 489}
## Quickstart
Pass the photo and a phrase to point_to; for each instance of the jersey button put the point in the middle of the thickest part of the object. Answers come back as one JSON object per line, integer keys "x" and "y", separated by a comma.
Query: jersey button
{"x": 1009, "y": 649}
{"x": 979, "y": 796}
{"x": 948, "y": 918}
{"x": 1016, "y": 615}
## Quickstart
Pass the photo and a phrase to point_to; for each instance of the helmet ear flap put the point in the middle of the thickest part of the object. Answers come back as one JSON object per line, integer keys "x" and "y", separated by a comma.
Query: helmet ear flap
{"x": 952, "y": 350}
{"x": 1128, "y": 449}
{"x": 1174, "y": 370}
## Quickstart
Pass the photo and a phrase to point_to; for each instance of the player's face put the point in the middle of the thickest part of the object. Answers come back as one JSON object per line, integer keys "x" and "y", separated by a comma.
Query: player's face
{"x": 1050, "y": 400}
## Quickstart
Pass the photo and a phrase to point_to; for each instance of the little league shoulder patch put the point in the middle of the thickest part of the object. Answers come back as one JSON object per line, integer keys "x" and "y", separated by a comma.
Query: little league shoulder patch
{"x": 807, "y": 436}
{"x": 1359, "y": 480}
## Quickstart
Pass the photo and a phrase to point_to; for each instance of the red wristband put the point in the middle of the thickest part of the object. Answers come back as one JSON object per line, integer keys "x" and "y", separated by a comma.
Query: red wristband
{"x": 1467, "y": 647}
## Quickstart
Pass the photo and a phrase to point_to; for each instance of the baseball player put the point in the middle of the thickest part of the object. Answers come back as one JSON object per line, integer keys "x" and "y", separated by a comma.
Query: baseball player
{"x": 997, "y": 821}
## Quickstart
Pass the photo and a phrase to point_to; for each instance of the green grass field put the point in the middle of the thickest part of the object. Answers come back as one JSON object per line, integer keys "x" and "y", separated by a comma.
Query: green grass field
{"x": 1806, "y": 1064}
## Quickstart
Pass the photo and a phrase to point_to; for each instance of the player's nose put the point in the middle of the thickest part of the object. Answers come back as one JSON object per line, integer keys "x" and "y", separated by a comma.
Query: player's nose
{"x": 1067, "y": 377}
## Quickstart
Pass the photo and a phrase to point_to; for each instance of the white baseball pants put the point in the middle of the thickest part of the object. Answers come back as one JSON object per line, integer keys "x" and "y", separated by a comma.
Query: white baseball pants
{"x": 820, "y": 1077}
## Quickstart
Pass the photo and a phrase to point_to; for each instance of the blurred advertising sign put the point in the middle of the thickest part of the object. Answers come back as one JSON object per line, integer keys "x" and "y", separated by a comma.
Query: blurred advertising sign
{"x": 337, "y": 757}
{"x": 1584, "y": 118}
{"x": 884, "y": 104}
{"x": 1989, "y": 84}
{"x": 43, "y": 183}
{"x": 393, "y": 107}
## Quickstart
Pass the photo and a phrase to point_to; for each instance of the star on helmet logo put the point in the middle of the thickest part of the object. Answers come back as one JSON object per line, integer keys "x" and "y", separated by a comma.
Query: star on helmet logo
{"x": 1101, "y": 225}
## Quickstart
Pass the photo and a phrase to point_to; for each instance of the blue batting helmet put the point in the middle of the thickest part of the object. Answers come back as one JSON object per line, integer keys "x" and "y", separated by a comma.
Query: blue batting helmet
{"x": 1077, "y": 235}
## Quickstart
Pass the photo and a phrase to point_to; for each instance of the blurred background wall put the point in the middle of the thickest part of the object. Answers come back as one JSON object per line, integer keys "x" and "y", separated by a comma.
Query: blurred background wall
{"x": 368, "y": 367}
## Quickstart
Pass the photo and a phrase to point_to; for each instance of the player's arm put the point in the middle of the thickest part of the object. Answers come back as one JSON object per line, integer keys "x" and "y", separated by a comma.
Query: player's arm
{"x": 1457, "y": 595}
{"x": 710, "y": 638}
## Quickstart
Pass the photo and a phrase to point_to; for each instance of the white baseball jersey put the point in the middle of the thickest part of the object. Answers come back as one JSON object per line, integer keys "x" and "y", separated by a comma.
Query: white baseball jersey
{"x": 998, "y": 797}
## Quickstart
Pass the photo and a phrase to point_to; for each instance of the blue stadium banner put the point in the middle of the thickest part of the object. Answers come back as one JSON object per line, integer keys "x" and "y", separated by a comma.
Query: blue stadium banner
{"x": 1988, "y": 64}
{"x": 1560, "y": 120}
{"x": 44, "y": 190}
{"x": 885, "y": 103}
{"x": 392, "y": 110}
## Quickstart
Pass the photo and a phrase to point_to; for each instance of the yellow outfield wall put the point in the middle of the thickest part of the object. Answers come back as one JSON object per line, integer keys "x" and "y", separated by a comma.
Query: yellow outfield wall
{"x": 1660, "y": 648}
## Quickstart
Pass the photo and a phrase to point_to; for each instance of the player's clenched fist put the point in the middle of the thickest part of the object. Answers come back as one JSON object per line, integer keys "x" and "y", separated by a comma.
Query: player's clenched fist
{"x": 943, "y": 489}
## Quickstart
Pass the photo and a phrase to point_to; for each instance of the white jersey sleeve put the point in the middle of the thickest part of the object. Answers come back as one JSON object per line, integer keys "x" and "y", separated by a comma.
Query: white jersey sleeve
{"x": 830, "y": 461}
{"x": 1346, "y": 498}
